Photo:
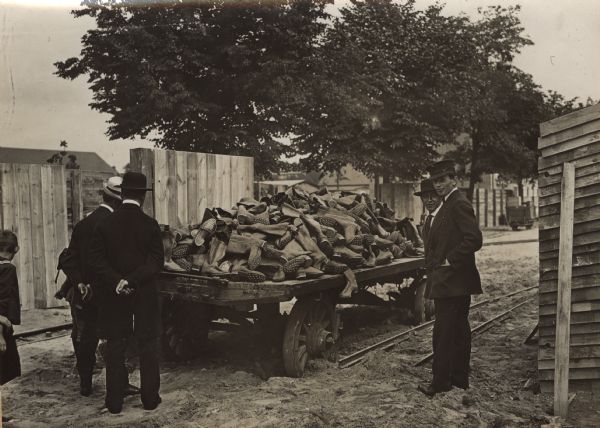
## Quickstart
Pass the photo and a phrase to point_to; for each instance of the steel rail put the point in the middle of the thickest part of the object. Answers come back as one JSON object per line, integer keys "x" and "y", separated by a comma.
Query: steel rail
{"x": 480, "y": 327}
{"x": 387, "y": 343}
{"x": 42, "y": 330}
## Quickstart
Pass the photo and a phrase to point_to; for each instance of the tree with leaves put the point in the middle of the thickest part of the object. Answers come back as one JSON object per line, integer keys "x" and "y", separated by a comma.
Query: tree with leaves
{"x": 197, "y": 75}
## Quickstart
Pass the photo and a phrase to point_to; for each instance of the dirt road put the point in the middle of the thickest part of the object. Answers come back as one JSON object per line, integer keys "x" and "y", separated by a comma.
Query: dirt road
{"x": 228, "y": 387}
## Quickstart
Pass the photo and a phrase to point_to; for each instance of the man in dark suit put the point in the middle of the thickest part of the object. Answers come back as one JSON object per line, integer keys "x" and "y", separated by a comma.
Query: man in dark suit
{"x": 78, "y": 286}
{"x": 432, "y": 203}
{"x": 127, "y": 254}
{"x": 450, "y": 249}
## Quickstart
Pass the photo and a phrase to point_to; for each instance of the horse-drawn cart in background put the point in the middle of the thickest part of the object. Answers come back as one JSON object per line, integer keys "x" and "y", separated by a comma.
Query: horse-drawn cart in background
{"x": 311, "y": 329}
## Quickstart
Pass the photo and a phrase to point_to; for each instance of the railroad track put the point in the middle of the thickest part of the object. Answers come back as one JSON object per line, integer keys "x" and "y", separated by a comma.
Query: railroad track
{"x": 395, "y": 339}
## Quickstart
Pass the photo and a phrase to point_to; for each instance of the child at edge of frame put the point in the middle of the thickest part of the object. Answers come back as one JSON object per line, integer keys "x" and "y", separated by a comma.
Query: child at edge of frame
{"x": 10, "y": 310}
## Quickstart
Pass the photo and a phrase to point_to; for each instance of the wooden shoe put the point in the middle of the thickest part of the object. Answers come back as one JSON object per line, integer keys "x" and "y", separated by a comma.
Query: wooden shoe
{"x": 246, "y": 217}
{"x": 184, "y": 263}
{"x": 204, "y": 231}
{"x": 182, "y": 251}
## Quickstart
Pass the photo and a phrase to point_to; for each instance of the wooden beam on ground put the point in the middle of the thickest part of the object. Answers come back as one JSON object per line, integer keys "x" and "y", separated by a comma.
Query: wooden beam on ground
{"x": 563, "y": 309}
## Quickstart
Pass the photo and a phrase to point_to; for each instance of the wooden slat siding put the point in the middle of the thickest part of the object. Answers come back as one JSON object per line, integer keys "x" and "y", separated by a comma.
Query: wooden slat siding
{"x": 580, "y": 204}
{"x": 583, "y": 192}
{"x": 581, "y": 216}
{"x": 576, "y": 339}
{"x": 588, "y": 132}
{"x": 250, "y": 171}
{"x": 76, "y": 197}
{"x": 570, "y": 120}
{"x": 211, "y": 180}
{"x": 581, "y": 162}
{"x": 582, "y": 250}
{"x": 576, "y": 282}
{"x": 581, "y": 260}
{"x": 574, "y": 363}
{"x": 579, "y": 229}
{"x": 142, "y": 160}
{"x": 181, "y": 193}
{"x": 583, "y": 294}
{"x": 584, "y": 171}
{"x": 570, "y": 145}
{"x": 582, "y": 328}
{"x": 576, "y": 318}
{"x": 569, "y": 156}
{"x": 172, "y": 201}
{"x": 587, "y": 385}
{"x": 575, "y": 307}
{"x": 234, "y": 185}
{"x": 549, "y": 274}
{"x": 225, "y": 181}
{"x": 50, "y": 234}
{"x": 161, "y": 190}
{"x": 588, "y": 373}
{"x": 38, "y": 213}
{"x": 193, "y": 191}
{"x": 588, "y": 180}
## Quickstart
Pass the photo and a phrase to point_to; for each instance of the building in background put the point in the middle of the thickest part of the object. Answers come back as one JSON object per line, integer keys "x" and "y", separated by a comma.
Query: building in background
{"x": 86, "y": 161}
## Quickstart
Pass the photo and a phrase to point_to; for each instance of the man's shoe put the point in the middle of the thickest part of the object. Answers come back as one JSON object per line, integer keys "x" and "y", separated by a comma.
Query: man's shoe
{"x": 152, "y": 406}
{"x": 131, "y": 390}
{"x": 430, "y": 391}
{"x": 459, "y": 384}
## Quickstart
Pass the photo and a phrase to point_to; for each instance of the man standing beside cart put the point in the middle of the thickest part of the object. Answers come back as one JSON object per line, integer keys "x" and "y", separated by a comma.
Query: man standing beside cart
{"x": 450, "y": 248}
{"x": 127, "y": 254}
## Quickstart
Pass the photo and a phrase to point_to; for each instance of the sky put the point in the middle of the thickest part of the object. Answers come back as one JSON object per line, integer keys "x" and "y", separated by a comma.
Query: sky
{"x": 38, "y": 109}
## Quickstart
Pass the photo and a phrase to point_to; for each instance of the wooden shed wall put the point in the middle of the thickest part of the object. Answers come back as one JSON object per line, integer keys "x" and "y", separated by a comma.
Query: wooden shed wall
{"x": 83, "y": 193}
{"x": 185, "y": 183}
{"x": 571, "y": 138}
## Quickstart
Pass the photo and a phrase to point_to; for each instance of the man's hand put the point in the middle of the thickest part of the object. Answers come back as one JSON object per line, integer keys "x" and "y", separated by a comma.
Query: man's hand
{"x": 445, "y": 263}
{"x": 85, "y": 290}
{"x": 5, "y": 322}
{"x": 2, "y": 344}
{"x": 122, "y": 288}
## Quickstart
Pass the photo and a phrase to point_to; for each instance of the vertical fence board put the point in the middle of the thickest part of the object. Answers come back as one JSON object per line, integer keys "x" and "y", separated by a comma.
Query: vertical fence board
{"x": 37, "y": 235}
{"x": 181, "y": 183}
{"x": 161, "y": 197}
{"x": 142, "y": 160}
{"x": 50, "y": 232}
{"x": 236, "y": 184}
{"x": 23, "y": 218}
{"x": 193, "y": 191}
{"x": 171, "y": 187}
{"x": 211, "y": 180}
{"x": 61, "y": 229}
{"x": 202, "y": 161}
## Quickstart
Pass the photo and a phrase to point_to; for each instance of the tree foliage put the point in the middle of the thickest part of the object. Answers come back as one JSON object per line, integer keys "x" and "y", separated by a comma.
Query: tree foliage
{"x": 197, "y": 75}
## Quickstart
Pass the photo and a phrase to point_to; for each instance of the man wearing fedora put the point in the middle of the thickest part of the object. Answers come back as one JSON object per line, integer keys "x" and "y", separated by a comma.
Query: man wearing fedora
{"x": 127, "y": 254}
{"x": 452, "y": 275}
{"x": 75, "y": 263}
{"x": 432, "y": 203}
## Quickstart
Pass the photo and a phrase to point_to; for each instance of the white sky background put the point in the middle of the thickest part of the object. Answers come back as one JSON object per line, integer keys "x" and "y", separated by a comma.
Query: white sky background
{"x": 38, "y": 109}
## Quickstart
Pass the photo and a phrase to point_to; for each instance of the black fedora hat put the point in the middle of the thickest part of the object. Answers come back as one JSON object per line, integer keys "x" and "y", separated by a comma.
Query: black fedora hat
{"x": 134, "y": 181}
{"x": 441, "y": 168}
{"x": 426, "y": 187}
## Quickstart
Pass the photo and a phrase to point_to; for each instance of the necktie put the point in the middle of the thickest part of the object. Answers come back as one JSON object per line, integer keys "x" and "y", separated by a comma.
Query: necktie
{"x": 427, "y": 227}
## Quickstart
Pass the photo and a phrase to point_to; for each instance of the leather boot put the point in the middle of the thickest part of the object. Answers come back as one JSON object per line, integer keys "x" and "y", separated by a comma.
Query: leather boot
{"x": 278, "y": 230}
{"x": 216, "y": 252}
{"x": 311, "y": 246}
{"x": 287, "y": 237}
{"x": 314, "y": 228}
{"x": 243, "y": 245}
{"x": 310, "y": 272}
{"x": 242, "y": 272}
{"x": 348, "y": 257}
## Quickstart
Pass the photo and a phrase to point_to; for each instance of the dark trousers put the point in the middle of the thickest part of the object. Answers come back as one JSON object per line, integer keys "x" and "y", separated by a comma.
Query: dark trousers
{"x": 85, "y": 341}
{"x": 451, "y": 343}
{"x": 10, "y": 363}
{"x": 117, "y": 378}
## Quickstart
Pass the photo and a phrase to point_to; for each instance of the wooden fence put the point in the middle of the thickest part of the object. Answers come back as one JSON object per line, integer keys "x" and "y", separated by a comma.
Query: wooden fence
{"x": 572, "y": 138}
{"x": 186, "y": 183}
{"x": 34, "y": 206}
{"x": 489, "y": 205}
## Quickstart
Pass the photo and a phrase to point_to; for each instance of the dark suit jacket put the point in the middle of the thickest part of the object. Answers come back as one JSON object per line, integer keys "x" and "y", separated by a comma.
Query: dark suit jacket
{"x": 127, "y": 245}
{"x": 77, "y": 267}
{"x": 10, "y": 303}
{"x": 455, "y": 237}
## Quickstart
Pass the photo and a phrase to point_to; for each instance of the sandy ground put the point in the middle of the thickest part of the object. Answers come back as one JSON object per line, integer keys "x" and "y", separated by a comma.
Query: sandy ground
{"x": 239, "y": 384}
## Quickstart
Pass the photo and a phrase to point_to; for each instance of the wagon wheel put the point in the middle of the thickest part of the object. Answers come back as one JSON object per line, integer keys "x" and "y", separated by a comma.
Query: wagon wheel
{"x": 185, "y": 329}
{"x": 423, "y": 307}
{"x": 311, "y": 330}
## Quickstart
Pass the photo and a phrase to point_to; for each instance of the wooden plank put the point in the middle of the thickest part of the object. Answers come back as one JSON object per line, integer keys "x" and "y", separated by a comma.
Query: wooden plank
{"x": 574, "y": 363}
{"x": 579, "y": 163}
{"x": 582, "y": 328}
{"x": 575, "y": 385}
{"x": 250, "y": 172}
{"x": 580, "y": 204}
{"x": 588, "y": 180}
{"x": 142, "y": 160}
{"x": 570, "y": 120}
{"x": 211, "y": 180}
{"x": 193, "y": 191}
{"x": 223, "y": 181}
{"x": 202, "y": 162}
{"x": 25, "y": 262}
{"x": 49, "y": 232}
{"x": 570, "y": 145}
{"x": 577, "y": 295}
{"x": 576, "y": 318}
{"x": 237, "y": 177}
{"x": 576, "y": 351}
{"x": 61, "y": 230}
{"x": 76, "y": 196}
{"x": 172, "y": 183}
{"x": 161, "y": 187}
{"x": 546, "y": 180}
{"x": 576, "y": 282}
{"x": 181, "y": 192}
{"x": 582, "y": 244}
{"x": 563, "y": 307}
{"x": 579, "y": 261}
{"x": 569, "y": 156}
{"x": 575, "y": 374}
{"x": 37, "y": 235}
{"x": 580, "y": 216}
{"x": 576, "y": 339}
{"x": 589, "y": 130}
{"x": 579, "y": 229}
{"x": 9, "y": 205}
{"x": 577, "y": 271}
{"x": 583, "y": 192}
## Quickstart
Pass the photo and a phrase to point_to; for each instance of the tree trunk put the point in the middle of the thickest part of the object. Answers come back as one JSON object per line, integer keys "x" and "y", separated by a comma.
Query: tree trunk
{"x": 474, "y": 174}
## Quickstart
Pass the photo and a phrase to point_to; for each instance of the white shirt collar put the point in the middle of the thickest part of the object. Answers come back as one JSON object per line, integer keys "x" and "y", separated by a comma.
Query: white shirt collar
{"x": 108, "y": 207}
{"x": 131, "y": 201}
{"x": 433, "y": 214}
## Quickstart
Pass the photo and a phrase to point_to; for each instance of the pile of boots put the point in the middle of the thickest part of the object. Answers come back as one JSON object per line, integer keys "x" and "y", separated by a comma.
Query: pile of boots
{"x": 292, "y": 235}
